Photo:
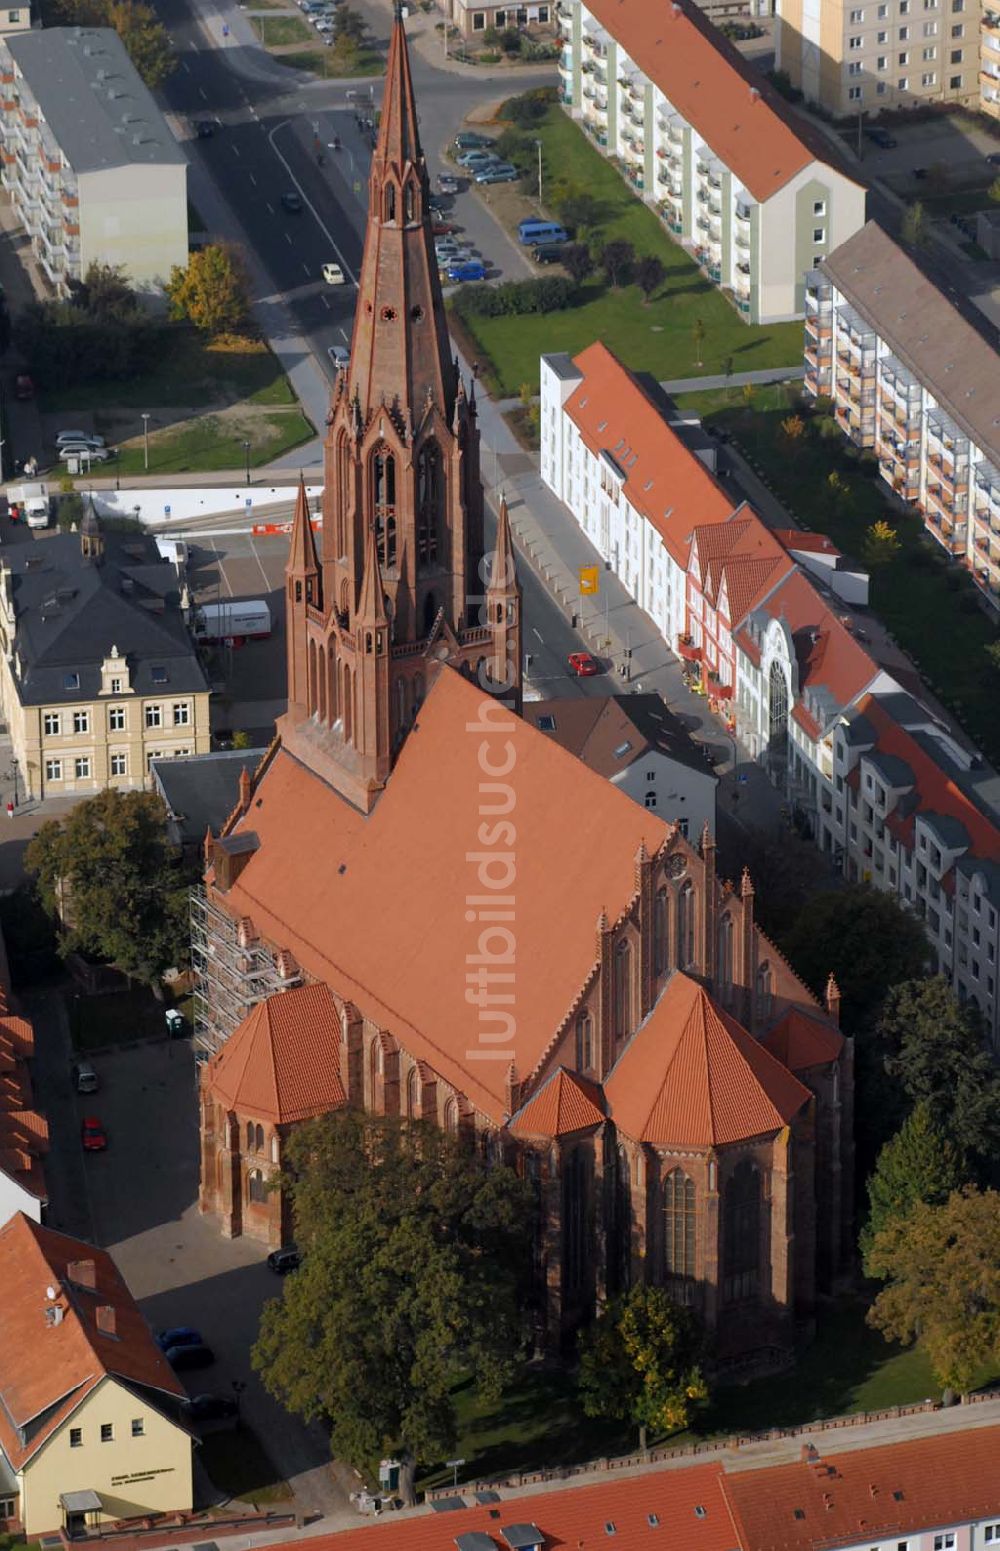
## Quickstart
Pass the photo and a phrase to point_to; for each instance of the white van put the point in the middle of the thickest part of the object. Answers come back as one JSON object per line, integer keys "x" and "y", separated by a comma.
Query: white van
{"x": 33, "y": 501}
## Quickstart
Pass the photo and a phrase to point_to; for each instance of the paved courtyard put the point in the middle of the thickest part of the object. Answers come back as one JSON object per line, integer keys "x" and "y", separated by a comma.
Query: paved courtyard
{"x": 139, "y": 1200}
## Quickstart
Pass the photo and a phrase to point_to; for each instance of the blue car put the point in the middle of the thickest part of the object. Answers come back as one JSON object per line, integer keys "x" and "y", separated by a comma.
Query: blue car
{"x": 472, "y": 269}
{"x": 178, "y": 1335}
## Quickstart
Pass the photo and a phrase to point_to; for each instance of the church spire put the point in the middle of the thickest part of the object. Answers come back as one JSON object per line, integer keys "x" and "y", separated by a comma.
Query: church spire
{"x": 302, "y": 560}
{"x": 503, "y": 610}
{"x": 302, "y": 591}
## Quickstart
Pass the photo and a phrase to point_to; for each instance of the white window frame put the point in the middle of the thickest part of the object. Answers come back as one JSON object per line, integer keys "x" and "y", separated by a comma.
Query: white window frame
{"x": 154, "y": 714}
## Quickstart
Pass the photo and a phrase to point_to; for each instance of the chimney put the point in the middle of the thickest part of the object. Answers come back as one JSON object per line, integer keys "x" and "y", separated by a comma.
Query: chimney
{"x": 105, "y": 1317}
{"x": 809, "y": 1454}
{"x": 82, "y": 1272}
{"x": 754, "y": 94}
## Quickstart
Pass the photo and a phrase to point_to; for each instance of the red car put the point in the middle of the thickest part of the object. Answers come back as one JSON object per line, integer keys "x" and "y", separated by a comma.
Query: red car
{"x": 583, "y": 665}
{"x": 442, "y": 228}
{"x": 24, "y": 388}
{"x": 93, "y": 1135}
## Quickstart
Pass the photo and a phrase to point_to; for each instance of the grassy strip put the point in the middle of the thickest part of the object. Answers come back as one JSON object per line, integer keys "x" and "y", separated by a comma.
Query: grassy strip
{"x": 918, "y": 586}
{"x": 327, "y": 62}
{"x": 192, "y": 372}
{"x": 215, "y": 442}
{"x": 275, "y": 31}
{"x": 241, "y": 1467}
{"x": 658, "y": 337}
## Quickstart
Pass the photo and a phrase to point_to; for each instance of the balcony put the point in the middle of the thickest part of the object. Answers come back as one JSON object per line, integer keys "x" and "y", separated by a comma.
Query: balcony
{"x": 743, "y": 211}
{"x": 565, "y": 66}
{"x": 742, "y": 241}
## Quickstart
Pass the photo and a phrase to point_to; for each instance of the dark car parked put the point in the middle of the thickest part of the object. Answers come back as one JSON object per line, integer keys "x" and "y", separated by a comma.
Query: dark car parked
{"x": 182, "y": 1357}
{"x": 212, "y": 1408}
{"x": 281, "y": 1261}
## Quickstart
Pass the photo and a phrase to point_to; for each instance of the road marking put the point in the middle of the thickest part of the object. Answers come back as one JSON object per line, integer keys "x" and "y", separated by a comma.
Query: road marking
{"x": 253, "y": 180}
{"x": 202, "y": 93}
{"x": 326, "y": 303}
{"x": 344, "y": 337}
{"x": 267, "y": 580}
{"x": 234, "y": 148}
{"x": 270, "y": 209}
{"x": 308, "y": 202}
{"x": 253, "y": 111}
{"x": 185, "y": 67}
{"x": 288, "y": 238}
{"x": 307, "y": 271}
{"x": 540, "y": 637}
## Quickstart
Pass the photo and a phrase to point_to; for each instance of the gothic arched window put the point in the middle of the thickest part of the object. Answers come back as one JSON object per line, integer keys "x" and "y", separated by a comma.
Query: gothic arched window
{"x": 343, "y": 493}
{"x": 430, "y": 612}
{"x": 576, "y": 1182}
{"x": 451, "y": 1117}
{"x": 312, "y": 678}
{"x": 765, "y": 991}
{"x": 741, "y": 1233}
{"x": 413, "y": 1093}
{"x": 249, "y": 1136}
{"x": 259, "y": 1138}
{"x": 347, "y": 704}
{"x": 724, "y": 959}
{"x": 678, "y": 1228}
{"x": 429, "y": 487}
{"x": 585, "y": 1043}
{"x": 685, "y": 925}
{"x": 390, "y": 201}
{"x": 622, "y": 989}
{"x": 661, "y": 940}
{"x": 256, "y": 1189}
{"x": 383, "y": 473}
{"x": 409, "y": 203}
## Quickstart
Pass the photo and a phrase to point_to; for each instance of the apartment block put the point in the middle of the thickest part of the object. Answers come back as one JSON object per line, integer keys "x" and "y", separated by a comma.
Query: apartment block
{"x": 912, "y": 379}
{"x": 88, "y": 159}
{"x": 989, "y": 61}
{"x": 753, "y": 194}
{"x": 862, "y": 58}
{"x": 765, "y": 619}
{"x": 15, "y": 18}
{"x": 473, "y": 17}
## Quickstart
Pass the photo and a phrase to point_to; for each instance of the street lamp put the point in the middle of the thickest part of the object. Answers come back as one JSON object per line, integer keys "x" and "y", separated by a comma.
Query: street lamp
{"x": 538, "y": 145}
{"x": 246, "y": 449}
{"x": 12, "y": 773}
{"x": 145, "y": 442}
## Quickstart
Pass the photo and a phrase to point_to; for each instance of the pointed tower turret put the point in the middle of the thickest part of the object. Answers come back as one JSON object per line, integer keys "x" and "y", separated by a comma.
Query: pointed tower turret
{"x": 302, "y": 587}
{"x": 503, "y": 614}
{"x": 372, "y": 738}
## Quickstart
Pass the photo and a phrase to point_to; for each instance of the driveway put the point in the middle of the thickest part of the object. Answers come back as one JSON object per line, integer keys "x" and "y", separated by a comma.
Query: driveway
{"x": 139, "y": 1200}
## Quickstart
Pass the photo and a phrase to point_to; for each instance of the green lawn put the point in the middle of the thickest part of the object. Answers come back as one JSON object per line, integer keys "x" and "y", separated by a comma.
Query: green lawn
{"x": 848, "y": 1368}
{"x": 919, "y": 585}
{"x": 239, "y": 1465}
{"x": 274, "y": 31}
{"x": 191, "y": 373}
{"x": 657, "y": 338}
{"x": 215, "y": 442}
{"x": 326, "y": 62}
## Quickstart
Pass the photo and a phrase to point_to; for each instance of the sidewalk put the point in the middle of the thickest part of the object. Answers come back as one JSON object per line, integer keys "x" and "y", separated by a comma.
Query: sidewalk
{"x": 757, "y": 379}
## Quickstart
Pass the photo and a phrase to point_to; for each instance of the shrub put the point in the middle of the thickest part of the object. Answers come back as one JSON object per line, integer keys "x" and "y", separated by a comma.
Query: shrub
{"x": 514, "y": 298}
{"x": 530, "y": 108}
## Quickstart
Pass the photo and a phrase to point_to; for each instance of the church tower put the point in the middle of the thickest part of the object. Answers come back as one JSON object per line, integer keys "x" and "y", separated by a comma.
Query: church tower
{"x": 400, "y": 582}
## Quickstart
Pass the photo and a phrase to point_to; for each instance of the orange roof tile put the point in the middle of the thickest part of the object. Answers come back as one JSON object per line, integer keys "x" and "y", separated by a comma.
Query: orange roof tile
{"x": 564, "y": 1103}
{"x": 731, "y": 106}
{"x": 828, "y": 655}
{"x": 377, "y": 906}
{"x": 935, "y": 791}
{"x": 283, "y": 1061}
{"x": 798, "y": 1041}
{"x": 685, "y": 1509}
{"x": 49, "y": 1368}
{"x": 692, "y": 1076}
{"x": 663, "y": 478}
{"x": 808, "y": 543}
{"x": 872, "y": 1494}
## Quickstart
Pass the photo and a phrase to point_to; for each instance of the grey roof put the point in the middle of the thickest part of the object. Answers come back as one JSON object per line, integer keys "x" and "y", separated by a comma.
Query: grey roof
{"x": 70, "y": 612}
{"x": 609, "y": 733}
{"x": 990, "y": 872}
{"x": 92, "y": 98}
{"x": 894, "y": 771}
{"x": 921, "y": 326}
{"x": 202, "y": 789}
{"x": 951, "y": 832}
{"x": 858, "y": 730}
{"x": 475, "y": 1540}
{"x": 564, "y": 366}
{"x": 522, "y": 1536}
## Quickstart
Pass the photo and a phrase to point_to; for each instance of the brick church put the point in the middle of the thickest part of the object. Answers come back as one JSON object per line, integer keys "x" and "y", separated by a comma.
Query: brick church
{"x": 425, "y": 907}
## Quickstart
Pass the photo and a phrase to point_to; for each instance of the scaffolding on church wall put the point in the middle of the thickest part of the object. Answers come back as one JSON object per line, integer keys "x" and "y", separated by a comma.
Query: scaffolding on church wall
{"x": 230, "y": 977}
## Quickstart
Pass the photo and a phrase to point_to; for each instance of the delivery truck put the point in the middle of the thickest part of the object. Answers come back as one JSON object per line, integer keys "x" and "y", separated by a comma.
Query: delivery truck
{"x": 32, "y": 502}
{"x": 234, "y": 620}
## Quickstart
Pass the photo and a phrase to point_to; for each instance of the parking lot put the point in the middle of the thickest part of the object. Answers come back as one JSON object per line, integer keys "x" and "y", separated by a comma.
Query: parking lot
{"x": 956, "y": 144}
{"x": 139, "y": 1200}
{"x": 251, "y": 678}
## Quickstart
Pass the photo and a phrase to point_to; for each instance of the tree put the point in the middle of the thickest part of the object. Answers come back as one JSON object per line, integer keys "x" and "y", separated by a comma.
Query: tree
{"x": 415, "y": 1260}
{"x": 920, "y": 1163}
{"x": 578, "y": 260}
{"x": 934, "y": 1047}
{"x": 100, "y": 330}
{"x": 640, "y": 1362}
{"x": 793, "y": 430}
{"x": 578, "y": 211}
{"x": 994, "y": 191}
{"x": 698, "y": 337}
{"x": 913, "y": 229}
{"x": 868, "y": 941}
{"x": 348, "y": 23}
{"x": 618, "y": 261}
{"x": 213, "y": 292}
{"x": 107, "y": 872}
{"x": 145, "y": 38}
{"x": 992, "y": 650}
{"x": 881, "y": 544}
{"x": 650, "y": 273}
{"x": 785, "y": 876}
{"x": 942, "y": 1266}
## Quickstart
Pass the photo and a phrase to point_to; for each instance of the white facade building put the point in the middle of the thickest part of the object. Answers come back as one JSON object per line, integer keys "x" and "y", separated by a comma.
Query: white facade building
{"x": 89, "y": 161}
{"x": 752, "y": 193}
{"x": 911, "y": 379}
{"x": 779, "y": 661}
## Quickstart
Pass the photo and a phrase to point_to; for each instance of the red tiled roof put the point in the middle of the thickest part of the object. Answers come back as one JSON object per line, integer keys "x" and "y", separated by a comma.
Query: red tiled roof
{"x": 283, "y": 1062}
{"x": 872, "y": 1494}
{"x": 564, "y": 1103}
{"x": 806, "y": 720}
{"x": 692, "y": 1076}
{"x": 663, "y": 479}
{"x": 828, "y": 655}
{"x": 689, "y": 1513}
{"x": 54, "y": 1366}
{"x": 808, "y": 543}
{"x": 376, "y": 906}
{"x": 798, "y": 1041}
{"x": 935, "y": 791}
{"x": 734, "y": 110}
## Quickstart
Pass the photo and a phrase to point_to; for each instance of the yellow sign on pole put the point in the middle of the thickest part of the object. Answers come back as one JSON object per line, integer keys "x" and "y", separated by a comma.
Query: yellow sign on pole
{"x": 589, "y": 580}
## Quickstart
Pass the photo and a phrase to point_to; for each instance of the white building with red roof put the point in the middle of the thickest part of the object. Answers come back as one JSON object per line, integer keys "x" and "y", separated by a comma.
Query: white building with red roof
{"x": 751, "y": 190}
